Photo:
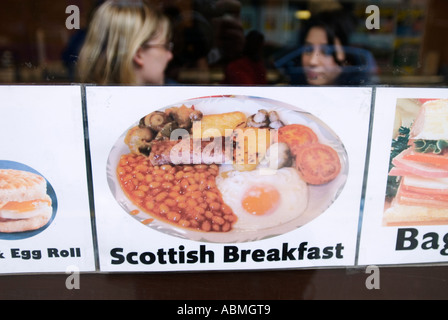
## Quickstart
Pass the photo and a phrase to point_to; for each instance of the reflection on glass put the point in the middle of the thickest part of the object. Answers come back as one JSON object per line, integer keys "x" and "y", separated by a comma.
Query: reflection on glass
{"x": 407, "y": 49}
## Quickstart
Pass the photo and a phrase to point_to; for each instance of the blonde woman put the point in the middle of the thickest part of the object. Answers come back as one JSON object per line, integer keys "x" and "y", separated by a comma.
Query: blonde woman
{"x": 127, "y": 43}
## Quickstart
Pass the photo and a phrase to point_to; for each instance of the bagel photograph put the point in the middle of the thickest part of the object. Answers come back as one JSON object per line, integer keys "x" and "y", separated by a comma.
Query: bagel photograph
{"x": 417, "y": 192}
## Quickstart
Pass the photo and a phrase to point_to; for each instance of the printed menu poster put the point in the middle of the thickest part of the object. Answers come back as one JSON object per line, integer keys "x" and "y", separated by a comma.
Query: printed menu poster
{"x": 405, "y": 218}
{"x": 227, "y": 178}
{"x": 45, "y": 223}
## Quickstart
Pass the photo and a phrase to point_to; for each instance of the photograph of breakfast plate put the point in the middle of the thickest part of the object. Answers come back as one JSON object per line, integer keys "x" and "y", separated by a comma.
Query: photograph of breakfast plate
{"x": 238, "y": 203}
{"x": 28, "y": 202}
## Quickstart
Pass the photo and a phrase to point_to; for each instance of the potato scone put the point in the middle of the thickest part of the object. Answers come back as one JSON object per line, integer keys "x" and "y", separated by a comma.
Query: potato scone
{"x": 213, "y": 124}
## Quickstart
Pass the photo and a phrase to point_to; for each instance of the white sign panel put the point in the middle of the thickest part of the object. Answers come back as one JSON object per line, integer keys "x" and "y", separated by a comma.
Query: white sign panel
{"x": 178, "y": 187}
{"x": 405, "y": 218}
{"x": 45, "y": 223}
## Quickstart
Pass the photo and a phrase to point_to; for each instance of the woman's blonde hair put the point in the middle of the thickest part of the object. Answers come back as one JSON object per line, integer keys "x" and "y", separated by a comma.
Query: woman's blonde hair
{"x": 118, "y": 29}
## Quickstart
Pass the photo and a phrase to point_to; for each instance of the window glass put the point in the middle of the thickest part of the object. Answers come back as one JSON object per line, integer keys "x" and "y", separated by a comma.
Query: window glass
{"x": 246, "y": 42}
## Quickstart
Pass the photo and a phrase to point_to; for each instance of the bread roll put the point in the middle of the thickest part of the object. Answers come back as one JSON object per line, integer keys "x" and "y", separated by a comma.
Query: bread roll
{"x": 24, "y": 202}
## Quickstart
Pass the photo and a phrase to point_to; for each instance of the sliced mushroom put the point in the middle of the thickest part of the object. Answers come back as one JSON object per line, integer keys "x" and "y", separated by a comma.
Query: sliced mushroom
{"x": 181, "y": 115}
{"x": 184, "y": 116}
{"x": 155, "y": 120}
{"x": 160, "y": 137}
{"x": 276, "y": 124}
{"x": 261, "y": 116}
{"x": 273, "y": 116}
{"x": 250, "y": 122}
{"x": 196, "y": 115}
{"x": 145, "y": 149}
{"x": 139, "y": 140}
{"x": 168, "y": 128}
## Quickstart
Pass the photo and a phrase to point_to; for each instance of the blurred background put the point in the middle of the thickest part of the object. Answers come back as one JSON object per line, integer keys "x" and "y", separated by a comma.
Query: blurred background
{"x": 409, "y": 48}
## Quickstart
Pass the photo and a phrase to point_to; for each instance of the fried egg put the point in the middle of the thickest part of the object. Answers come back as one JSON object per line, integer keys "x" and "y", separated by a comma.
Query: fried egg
{"x": 263, "y": 200}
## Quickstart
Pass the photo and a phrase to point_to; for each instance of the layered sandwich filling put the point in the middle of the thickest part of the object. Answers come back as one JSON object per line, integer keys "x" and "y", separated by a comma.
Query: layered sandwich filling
{"x": 422, "y": 168}
{"x": 14, "y": 210}
{"x": 24, "y": 202}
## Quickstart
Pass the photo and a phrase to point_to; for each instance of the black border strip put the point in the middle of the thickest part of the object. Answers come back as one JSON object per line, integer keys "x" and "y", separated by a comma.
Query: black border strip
{"x": 89, "y": 177}
{"x": 366, "y": 174}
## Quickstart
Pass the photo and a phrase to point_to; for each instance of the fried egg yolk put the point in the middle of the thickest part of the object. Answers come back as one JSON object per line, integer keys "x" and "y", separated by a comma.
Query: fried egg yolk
{"x": 261, "y": 199}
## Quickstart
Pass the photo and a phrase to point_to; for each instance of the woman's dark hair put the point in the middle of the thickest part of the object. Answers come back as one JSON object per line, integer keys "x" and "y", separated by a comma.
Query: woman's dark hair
{"x": 336, "y": 23}
{"x": 358, "y": 65}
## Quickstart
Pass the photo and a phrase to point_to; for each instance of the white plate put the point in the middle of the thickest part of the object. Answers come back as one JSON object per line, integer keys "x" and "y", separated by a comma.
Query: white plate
{"x": 320, "y": 197}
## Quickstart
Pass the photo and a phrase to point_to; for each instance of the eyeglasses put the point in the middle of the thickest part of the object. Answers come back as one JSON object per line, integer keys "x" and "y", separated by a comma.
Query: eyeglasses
{"x": 167, "y": 46}
{"x": 326, "y": 50}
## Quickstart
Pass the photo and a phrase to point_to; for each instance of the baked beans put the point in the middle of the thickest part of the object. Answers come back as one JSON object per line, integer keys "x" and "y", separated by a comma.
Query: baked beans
{"x": 185, "y": 195}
